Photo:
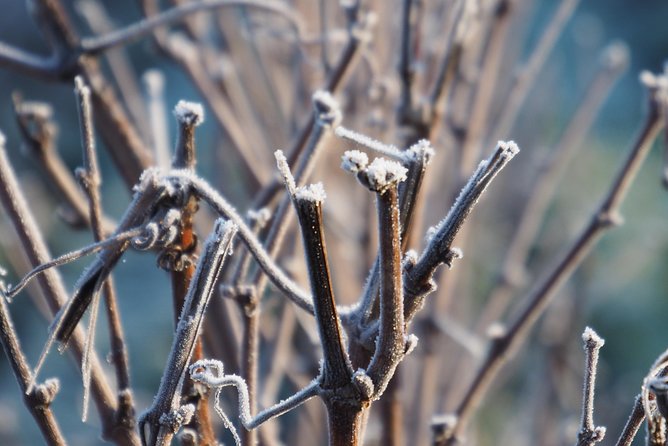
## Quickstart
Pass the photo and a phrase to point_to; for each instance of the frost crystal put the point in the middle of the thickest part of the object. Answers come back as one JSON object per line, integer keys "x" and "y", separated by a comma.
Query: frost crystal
{"x": 590, "y": 336}
{"x": 381, "y": 173}
{"x": 421, "y": 149}
{"x": 284, "y": 170}
{"x": 40, "y": 110}
{"x": 327, "y": 108}
{"x": 353, "y": 161}
{"x": 509, "y": 149}
{"x": 189, "y": 113}
{"x": 312, "y": 192}
{"x": 369, "y": 143}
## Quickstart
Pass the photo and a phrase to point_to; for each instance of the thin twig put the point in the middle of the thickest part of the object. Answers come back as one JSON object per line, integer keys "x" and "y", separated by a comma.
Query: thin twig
{"x": 90, "y": 180}
{"x": 605, "y": 217}
{"x": 590, "y": 434}
{"x": 39, "y": 400}
{"x": 97, "y": 44}
{"x": 633, "y": 424}
{"x": 418, "y": 271}
{"x": 210, "y": 372}
{"x": 527, "y": 76}
{"x": 613, "y": 62}
{"x": 336, "y": 370}
{"x": 54, "y": 291}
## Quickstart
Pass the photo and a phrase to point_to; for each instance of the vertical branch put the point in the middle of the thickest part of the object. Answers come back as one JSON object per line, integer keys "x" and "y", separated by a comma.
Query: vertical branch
{"x": 189, "y": 116}
{"x": 590, "y": 434}
{"x": 166, "y": 415}
{"x": 39, "y": 400}
{"x": 90, "y": 180}
{"x": 346, "y": 402}
{"x": 383, "y": 177}
{"x": 249, "y": 304}
{"x": 337, "y": 370}
{"x": 327, "y": 116}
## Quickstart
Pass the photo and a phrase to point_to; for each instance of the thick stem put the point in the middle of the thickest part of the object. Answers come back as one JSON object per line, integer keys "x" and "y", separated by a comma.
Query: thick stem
{"x": 337, "y": 371}
{"x": 346, "y": 423}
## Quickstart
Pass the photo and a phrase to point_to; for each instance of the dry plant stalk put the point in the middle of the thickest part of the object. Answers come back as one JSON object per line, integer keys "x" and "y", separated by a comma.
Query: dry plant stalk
{"x": 258, "y": 101}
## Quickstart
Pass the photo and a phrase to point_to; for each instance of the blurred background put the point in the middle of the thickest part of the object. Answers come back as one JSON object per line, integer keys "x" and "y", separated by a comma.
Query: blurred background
{"x": 620, "y": 290}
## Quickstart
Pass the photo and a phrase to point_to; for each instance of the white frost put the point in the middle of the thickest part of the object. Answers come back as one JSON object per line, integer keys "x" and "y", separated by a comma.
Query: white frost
{"x": 327, "y": 108}
{"x": 284, "y": 170}
{"x": 589, "y": 335}
{"x": 311, "y": 192}
{"x": 189, "y": 113}
{"x": 382, "y": 172}
{"x": 354, "y": 160}
{"x": 421, "y": 149}
{"x": 509, "y": 148}
{"x": 369, "y": 143}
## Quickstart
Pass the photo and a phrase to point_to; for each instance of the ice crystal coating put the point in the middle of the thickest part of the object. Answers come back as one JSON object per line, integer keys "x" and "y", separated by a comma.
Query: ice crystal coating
{"x": 354, "y": 161}
{"x": 189, "y": 113}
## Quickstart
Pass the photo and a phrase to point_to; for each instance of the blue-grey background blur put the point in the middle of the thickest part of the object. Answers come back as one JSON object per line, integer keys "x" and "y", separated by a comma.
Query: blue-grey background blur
{"x": 623, "y": 284}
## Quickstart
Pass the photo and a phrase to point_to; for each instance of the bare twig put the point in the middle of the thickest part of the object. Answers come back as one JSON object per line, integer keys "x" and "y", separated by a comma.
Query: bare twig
{"x": 418, "y": 271}
{"x": 613, "y": 61}
{"x": 526, "y": 77}
{"x": 336, "y": 370}
{"x": 604, "y": 218}
{"x": 211, "y": 373}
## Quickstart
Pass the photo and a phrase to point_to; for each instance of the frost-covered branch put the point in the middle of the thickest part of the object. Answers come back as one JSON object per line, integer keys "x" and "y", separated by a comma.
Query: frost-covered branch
{"x": 275, "y": 274}
{"x": 590, "y": 434}
{"x": 210, "y": 372}
{"x": 336, "y": 369}
{"x": 383, "y": 177}
{"x": 418, "y": 271}
{"x": 166, "y": 415}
